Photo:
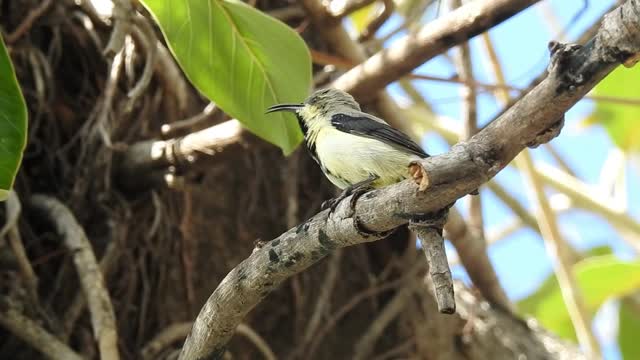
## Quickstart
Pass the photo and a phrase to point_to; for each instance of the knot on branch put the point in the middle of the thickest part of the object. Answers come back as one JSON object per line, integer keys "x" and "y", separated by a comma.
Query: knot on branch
{"x": 564, "y": 66}
{"x": 428, "y": 229}
{"x": 547, "y": 135}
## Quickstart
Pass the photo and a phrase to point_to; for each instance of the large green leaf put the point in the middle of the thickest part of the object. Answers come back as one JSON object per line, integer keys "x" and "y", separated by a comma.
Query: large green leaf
{"x": 241, "y": 59}
{"x": 13, "y": 123}
{"x": 622, "y": 121}
{"x": 628, "y": 330}
{"x": 599, "y": 278}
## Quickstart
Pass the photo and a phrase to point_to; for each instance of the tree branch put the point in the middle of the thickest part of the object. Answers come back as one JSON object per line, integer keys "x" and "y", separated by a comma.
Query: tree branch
{"x": 437, "y": 36}
{"x": 33, "y": 334}
{"x": 573, "y": 72}
{"x": 93, "y": 286}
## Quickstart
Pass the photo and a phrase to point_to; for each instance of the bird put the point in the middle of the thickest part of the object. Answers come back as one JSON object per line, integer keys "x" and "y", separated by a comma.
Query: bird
{"x": 355, "y": 150}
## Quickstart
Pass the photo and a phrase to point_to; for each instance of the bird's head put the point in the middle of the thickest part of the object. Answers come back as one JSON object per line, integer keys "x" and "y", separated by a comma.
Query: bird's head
{"x": 322, "y": 104}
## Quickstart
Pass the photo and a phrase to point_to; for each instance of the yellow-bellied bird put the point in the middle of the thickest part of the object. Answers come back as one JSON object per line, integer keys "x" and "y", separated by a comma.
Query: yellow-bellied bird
{"x": 355, "y": 150}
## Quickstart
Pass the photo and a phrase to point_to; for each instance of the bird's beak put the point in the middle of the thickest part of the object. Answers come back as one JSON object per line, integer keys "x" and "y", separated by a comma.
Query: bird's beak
{"x": 284, "y": 107}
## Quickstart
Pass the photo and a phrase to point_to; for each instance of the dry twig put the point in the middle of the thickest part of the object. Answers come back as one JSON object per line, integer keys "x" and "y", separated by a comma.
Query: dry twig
{"x": 366, "y": 345}
{"x": 33, "y": 334}
{"x": 26, "y": 24}
{"x": 75, "y": 239}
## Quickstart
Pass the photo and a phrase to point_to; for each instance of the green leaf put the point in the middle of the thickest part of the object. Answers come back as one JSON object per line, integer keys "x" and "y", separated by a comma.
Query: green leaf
{"x": 13, "y": 123}
{"x": 363, "y": 16}
{"x": 628, "y": 330}
{"x": 622, "y": 121}
{"x": 599, "y": 278}
{"x": 241, "y": 59}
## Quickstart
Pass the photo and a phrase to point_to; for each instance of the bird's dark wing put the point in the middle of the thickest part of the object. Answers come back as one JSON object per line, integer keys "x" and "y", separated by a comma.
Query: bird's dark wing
{"x": 368, "y": 127}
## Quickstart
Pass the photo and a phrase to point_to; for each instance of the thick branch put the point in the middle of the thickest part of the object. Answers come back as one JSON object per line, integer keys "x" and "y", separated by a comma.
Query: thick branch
{"x": 408, "y": 53}
{"x": 146, "y": 162}
{"x": 450, "y": 176}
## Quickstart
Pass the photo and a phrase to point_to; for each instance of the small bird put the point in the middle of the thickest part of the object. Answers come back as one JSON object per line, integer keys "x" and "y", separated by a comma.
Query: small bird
{"x": 356, "y": 151}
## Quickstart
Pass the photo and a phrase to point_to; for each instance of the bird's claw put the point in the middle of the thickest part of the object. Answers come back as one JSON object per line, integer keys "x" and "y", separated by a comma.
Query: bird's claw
{"x": 356, "y": 189}
{"x": 332, "y": 204}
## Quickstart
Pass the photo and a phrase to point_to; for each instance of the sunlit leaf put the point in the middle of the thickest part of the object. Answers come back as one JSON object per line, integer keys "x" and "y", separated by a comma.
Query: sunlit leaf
{"x": 363, "y": 16}
{"x": 13, "y": 123}
{"x": 241, "y": 59}
{"x": 628, "y": 330}
{"x": 600, "y": 278}
{"x": 622, "y": 121}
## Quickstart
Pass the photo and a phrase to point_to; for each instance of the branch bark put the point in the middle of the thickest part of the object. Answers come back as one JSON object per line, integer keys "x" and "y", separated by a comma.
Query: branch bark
{"x": 572, "y": 73}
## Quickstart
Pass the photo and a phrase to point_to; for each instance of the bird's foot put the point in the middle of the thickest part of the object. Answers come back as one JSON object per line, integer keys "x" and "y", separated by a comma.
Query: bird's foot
{"x": 356, "y": 189}
{"x": 331, "y": 204}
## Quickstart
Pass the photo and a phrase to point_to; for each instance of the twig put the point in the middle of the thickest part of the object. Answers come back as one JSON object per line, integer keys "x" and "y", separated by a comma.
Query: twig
{"x": 164, "y": 338}
{"x": 444, "y": 179}
{"x": 429, "y": 232}
{"x": 366, "y": 344}
{"x": 122, "y": 12}
{"x": 181, "y": 127}
{"x": 397, "y": 350}
{"x": 26, "y": 24}
{"x": 104, "y": 107}
{"x": 179, "y": 331}
{"x": 406, "y": 54}
{"x": 13, "y": 208}
{"x": 556, "y": 247}
{"x": 588, "y": 197}
{"x": 75, "y": 239}
{"x": 29, "y": 276}
{"x": 353, "y": 302}
{"x": 257, "y": 340}
{"x": 12, "y": 215}
{"x": 33, "y": 334}
{"x": 323, "y": 302}
{"x": 169, "y": 72}
{"x": 562, "y": 163}
{"x": 475, "y": 83}
{"x": 143, "y": 32}
{"x": 375, "y": 24}
{"x": 79, "y": 302}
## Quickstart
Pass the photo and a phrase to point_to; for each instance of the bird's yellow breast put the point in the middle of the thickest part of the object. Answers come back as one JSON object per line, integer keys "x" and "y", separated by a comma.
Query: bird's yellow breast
{"x": 347, "y": 159}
